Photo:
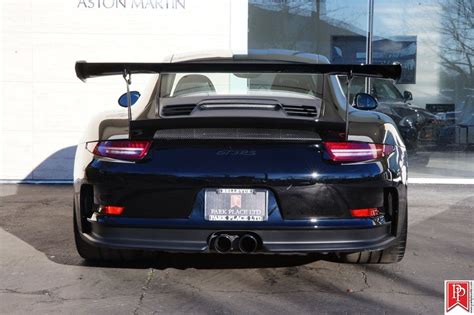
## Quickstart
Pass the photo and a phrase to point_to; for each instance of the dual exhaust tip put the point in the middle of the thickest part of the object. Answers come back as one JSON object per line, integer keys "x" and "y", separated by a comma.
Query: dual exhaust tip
{"x": 224, "y": 243}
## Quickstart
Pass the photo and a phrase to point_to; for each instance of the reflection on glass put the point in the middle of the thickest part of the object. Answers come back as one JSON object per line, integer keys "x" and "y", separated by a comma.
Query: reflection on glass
{"x": 432, "y": 104}
{"x": 304, "y": 25}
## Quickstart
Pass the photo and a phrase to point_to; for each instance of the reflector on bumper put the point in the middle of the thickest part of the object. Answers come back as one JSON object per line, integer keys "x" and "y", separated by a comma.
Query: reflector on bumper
{"x": 365, "y": 212}
{"x": 112, "y": 210}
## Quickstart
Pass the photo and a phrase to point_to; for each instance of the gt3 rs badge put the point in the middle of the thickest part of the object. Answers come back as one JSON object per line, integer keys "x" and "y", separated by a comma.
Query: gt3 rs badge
{"x": 236, "y": 152}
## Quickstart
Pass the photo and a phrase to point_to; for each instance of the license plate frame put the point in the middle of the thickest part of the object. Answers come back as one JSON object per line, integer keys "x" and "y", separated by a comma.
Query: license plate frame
{"x": 247, "y": 205}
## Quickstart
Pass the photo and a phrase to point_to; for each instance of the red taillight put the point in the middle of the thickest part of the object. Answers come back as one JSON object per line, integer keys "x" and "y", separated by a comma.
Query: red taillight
{"x": 356, "y": 151}
{"x": 112, "y": 210}
{"x": 365, "y": 212}
{"x": 122, "y": 149}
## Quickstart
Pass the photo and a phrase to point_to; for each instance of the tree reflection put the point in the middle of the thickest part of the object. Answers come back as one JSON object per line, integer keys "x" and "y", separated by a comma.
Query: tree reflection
{"x": 457, "y": 46}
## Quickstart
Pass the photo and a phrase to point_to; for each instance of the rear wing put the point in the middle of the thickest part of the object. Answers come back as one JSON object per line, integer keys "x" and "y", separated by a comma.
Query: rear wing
{"x": 85, "y": 70}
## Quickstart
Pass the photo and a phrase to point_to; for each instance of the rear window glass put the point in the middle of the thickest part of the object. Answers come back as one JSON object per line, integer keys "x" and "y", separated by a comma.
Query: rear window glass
{"x": 193, "y": 84}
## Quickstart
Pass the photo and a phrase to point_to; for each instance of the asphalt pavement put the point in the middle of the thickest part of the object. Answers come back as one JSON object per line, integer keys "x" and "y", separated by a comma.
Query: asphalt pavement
{"x": 40, "y": 271}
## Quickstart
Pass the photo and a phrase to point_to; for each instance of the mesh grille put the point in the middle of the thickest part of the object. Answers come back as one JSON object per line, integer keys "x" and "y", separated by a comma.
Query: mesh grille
{"x": 236, "y": 134}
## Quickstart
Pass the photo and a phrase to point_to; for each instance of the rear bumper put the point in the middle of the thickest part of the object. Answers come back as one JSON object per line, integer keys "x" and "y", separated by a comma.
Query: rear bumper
{"x": 282, "y": 240}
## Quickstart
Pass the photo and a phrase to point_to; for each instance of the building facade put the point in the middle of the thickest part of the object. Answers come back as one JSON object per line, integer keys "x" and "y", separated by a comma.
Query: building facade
{"x": 44, "y": 107}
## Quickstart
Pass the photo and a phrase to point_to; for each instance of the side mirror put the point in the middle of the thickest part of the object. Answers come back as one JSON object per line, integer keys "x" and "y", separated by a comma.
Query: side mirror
{"x": 365, "y": 101}
{"x": 407, "y": 96}
{"x": 134, "y": 95}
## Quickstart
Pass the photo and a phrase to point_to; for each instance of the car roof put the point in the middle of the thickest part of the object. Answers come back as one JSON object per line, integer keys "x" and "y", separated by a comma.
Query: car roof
{"x": 252, "y": 55}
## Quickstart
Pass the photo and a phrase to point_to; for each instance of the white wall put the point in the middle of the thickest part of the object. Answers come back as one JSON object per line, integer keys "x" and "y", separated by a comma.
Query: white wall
{"x": 44, "y": 107}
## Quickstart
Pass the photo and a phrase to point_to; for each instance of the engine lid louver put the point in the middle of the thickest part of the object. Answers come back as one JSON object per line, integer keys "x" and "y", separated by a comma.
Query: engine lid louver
{"x": 291, "y": 110}
{"x": 302, "y": 111}
{"x": 177, "y": 110}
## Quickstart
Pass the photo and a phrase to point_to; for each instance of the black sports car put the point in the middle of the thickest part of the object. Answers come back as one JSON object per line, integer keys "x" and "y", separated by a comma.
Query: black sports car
{"x": 417, "y": 126}
{"x": 242, "y": 154}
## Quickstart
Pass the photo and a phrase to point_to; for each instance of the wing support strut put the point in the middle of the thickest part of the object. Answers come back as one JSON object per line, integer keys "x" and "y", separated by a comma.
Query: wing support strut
{"x": 350, "y": 76}
{"x": 127, "y": 76}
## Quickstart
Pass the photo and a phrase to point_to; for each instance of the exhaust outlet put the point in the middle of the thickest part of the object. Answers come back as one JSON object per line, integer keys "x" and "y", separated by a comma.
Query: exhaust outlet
{"x": 248, "y": 244}
{"x": 223, "y": 243}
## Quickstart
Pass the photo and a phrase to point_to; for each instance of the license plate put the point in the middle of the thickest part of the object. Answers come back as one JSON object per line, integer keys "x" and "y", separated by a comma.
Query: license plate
{"x": 229, "y": 204}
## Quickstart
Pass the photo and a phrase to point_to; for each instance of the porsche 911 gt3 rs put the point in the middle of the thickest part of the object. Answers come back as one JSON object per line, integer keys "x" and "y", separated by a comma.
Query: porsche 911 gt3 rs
{"x": 242, "y": 154}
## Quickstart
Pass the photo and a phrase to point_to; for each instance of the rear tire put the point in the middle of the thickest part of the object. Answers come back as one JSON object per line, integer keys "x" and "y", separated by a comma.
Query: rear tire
{"x": 392, "y": 254}
{"x": 94, "y": 253}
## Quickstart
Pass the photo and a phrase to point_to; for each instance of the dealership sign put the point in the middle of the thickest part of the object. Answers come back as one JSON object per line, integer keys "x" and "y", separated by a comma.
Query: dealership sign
{"x": 132, "y": 4}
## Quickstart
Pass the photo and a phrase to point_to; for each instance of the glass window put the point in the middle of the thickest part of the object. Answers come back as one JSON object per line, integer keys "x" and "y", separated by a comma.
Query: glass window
{"x": 433, "y": 102}
{"x": 434, "y": 41}
{"x": 385, "y": 90}
{"x": 194, "y": 84}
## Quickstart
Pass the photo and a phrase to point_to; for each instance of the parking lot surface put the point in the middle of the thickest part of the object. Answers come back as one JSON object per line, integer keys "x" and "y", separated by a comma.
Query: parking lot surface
{"x": 40, "y": 271}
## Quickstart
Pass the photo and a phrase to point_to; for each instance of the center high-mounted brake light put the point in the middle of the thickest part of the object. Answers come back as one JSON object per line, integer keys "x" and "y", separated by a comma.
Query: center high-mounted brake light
{"x": 130, "y": 150}
{"x": 356, "y": 151}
